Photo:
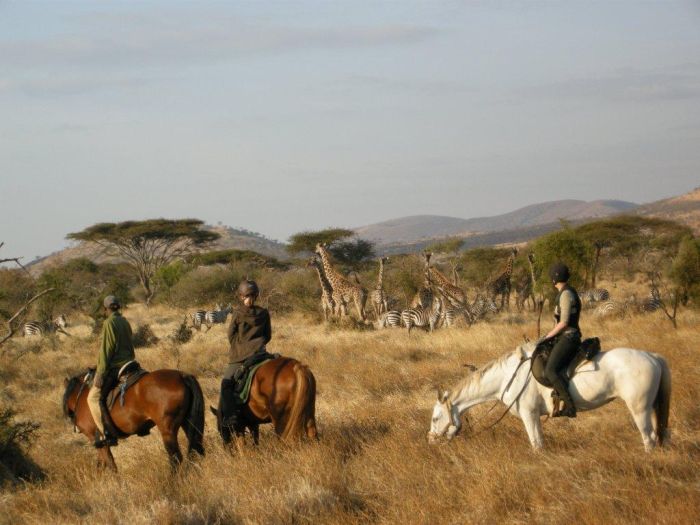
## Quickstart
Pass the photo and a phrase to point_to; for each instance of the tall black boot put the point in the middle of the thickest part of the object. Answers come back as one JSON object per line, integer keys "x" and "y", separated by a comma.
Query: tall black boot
{"x": 227, "y": 404}
{"x": 562, "y": 389}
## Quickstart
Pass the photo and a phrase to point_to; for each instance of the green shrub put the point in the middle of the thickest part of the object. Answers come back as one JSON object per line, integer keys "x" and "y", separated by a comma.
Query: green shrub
{"x": 15, "y": 440}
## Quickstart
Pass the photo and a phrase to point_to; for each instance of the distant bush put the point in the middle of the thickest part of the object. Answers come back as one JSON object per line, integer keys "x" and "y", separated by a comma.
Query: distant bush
{"x": 182, "y": 333}
{"x": 144, "y": 336}
{"x": 206, "y": 286}
{"x": 235, "y": 256}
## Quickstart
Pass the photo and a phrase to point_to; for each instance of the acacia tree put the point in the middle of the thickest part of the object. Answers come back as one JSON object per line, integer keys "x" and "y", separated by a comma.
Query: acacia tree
{"x": 148, "y": 245}
{"x": 340, "y": 243}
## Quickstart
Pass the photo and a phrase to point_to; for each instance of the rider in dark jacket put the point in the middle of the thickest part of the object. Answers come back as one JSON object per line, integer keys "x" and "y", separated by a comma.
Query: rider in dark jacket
{"x": 250, "y": 330}
{"x": 566, "y": 335}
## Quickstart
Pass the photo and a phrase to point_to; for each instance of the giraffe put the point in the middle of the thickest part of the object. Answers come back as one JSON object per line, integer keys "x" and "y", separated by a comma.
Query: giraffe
{"x": 343, "y": 290}
{"x": 454, "y": 294}
{"x": 327, "y": 302}
{"x": 500, "y": 285}
{"x": 378, "y": 296}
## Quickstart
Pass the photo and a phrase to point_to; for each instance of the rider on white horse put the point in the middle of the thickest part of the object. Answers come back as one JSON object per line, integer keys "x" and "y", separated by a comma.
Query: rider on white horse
{"x": 566, "y": 336}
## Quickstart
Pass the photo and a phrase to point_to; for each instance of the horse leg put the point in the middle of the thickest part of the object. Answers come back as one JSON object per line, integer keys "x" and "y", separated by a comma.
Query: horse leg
{"x": 105, "y": 459}
{"x": 533, "y": 427}
{"x": 311, "y": 431}
{"x": 643, "y": 420}
{"x": 255, "y": 432}
{"x": 168, "y": 432}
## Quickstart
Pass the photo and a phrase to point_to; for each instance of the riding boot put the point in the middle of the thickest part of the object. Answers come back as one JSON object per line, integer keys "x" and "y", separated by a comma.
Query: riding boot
{"x": 227, "y": 404}
{"x": 104, "y": 441}
{"x": 561, "y": 387}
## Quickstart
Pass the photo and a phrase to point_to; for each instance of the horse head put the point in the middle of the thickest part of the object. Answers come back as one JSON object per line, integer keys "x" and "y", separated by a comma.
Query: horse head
{"x": 445, "y": 421}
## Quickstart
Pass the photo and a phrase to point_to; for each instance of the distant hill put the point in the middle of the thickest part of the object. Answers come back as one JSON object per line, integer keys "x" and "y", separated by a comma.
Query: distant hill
{"x": 422, "y": 228}
{"x": 684, "y": 209}
{"x": 231, "y": 238}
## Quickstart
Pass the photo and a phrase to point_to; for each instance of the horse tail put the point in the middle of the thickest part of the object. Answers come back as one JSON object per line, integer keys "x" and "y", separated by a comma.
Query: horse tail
{"x": 194, "y": 419}
{"x": 662, "y": 403}
{"x": 302, "y": 404}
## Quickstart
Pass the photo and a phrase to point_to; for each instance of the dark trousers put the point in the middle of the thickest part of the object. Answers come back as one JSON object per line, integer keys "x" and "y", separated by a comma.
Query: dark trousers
{"x": 565, "y": 347}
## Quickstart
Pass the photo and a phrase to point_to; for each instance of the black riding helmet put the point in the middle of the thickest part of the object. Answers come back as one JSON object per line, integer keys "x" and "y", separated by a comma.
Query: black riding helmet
{"x": 247, "y": 288}
{"x": 559, "y": 272}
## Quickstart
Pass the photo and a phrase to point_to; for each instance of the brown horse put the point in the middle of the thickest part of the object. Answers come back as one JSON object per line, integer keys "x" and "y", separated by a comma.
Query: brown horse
{"x": 167, "y": 399}
{"x": 283, "y": 392}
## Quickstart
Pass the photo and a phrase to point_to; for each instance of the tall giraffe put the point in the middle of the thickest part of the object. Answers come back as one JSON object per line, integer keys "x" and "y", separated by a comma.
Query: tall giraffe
{"x": 500, "y": 285}
{"x": 327, "y": 302}
{"x": 343, "y": 290}
{"x": 454, "y": 294}
{"x": 378, "y": 295}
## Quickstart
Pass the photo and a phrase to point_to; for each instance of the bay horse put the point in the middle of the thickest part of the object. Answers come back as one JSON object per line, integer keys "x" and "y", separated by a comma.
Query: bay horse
{"x": 167, "y": 399}
{"x": 282, "y": 392}
{"x": 641, "y": 379}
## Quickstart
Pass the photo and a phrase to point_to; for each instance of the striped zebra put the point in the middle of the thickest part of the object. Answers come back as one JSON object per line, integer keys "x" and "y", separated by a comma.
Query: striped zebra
{"x": 594, "y": 295}
{"x": 422, "y": 317}
{"x": 652, "y": 302}
{"x": 451, "y": 314}
{"x": 390, "y": 319}
{"x": 217, "y": 316}
{"x": 610, "y": 309}
{"x": 197, "y": 318}
{"x": 481, "y": 307}
{"x": 38, "y": 328}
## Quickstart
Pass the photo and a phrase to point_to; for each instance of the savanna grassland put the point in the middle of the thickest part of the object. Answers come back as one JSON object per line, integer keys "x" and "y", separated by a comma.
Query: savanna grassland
{"x": 372, "y": 463}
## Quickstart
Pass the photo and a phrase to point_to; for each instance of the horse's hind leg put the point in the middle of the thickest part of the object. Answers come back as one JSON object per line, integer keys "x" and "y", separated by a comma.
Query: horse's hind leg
{"x": 311, "y": 431}
{"x": 643, "y": 420}
{"x": 169, "y": 434}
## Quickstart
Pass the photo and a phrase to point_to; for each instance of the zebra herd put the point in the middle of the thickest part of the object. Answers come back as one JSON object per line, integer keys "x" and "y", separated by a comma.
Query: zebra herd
{"x": 209, "y": 318}
{"x": 603, "y": 306}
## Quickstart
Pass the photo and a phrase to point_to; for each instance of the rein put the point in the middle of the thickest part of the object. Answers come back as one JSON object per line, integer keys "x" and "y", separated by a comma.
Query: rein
{"x": 77, "y": 398}
{"x": 510, "y": 383}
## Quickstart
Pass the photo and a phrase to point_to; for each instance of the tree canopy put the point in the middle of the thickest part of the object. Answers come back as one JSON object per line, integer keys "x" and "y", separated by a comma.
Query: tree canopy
{"x": 148, "y": 245}
{"x": 340, "y": 241}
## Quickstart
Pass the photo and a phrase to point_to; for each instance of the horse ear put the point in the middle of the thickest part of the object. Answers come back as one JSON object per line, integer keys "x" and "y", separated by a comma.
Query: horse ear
{"x": 439, "y": 393}
{"x": 445, "y": 396}
{"x": 214, "y": 411}
{"x": 65, "y": 381}
{"x": 470, "y": 367}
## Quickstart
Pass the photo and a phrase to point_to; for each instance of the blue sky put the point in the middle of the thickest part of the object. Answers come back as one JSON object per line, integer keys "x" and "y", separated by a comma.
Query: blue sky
{"x": 281, "y": 116}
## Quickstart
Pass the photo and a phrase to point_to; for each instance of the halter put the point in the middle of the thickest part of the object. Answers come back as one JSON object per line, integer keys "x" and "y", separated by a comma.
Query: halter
{"x": 77, "y": 398}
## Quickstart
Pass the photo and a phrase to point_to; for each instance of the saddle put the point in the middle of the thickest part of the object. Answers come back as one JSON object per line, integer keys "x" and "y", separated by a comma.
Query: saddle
{"x": 115, "y": 387}
{"x": 244, "y": 376}
{"x": 588, "y": 349}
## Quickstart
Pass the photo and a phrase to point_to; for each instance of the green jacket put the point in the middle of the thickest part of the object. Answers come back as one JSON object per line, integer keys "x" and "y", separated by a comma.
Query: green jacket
{"x": 250, "y": 330}
{"x": 117, "y": 346}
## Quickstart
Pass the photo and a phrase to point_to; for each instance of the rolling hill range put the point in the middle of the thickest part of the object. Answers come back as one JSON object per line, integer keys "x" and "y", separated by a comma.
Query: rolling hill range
{"x": 684, "y": 209}
{"x": 420, "y": 228}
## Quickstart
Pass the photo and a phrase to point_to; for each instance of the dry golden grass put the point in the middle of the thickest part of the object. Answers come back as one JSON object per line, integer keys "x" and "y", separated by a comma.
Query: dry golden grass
{"x": 372, "y": 463}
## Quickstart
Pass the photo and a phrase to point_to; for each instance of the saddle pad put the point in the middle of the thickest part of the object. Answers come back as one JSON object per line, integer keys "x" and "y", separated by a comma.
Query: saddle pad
{"x": 124, "y": 384}
{"x": 249, "y": 380}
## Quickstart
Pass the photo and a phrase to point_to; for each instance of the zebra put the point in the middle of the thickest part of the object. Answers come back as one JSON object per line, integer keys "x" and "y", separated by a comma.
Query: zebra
{"x": 198, "y": 318}
{"x": 217, "y": 316}
{"x": 33, "y": 328}
{"x": 451, "y": 314}
{"x": 392, "y": 319}
{"x": 594, "y": 295}
{"x": 611, "y": 309}
{"x": 652, "y": 302}
{"x": 481, "y": 307}
{"x": 422, "y": 317}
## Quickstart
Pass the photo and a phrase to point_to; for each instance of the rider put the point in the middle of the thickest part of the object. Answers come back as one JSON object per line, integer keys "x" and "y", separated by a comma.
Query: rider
{"x": 566, "y": 336}
{"x": 117, "y": 350}
{"x": 250, "y": 330}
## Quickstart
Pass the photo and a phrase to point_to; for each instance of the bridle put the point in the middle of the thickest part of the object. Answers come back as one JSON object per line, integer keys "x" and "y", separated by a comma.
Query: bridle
{"x": 456, "y": 424}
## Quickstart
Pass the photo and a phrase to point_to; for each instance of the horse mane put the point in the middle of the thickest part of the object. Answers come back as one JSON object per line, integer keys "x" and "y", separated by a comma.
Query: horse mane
{"x": 70, "y": 386}
{"x": 477, "y": 375}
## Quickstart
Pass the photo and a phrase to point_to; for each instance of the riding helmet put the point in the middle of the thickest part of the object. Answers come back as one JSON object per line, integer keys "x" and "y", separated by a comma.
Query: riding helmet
{"x": 111, "y": 301}
{"x": 559, "y": 272}
{"x": 247, "y": 288}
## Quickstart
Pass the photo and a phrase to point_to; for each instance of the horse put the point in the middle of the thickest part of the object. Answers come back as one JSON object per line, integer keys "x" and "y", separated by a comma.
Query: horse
{"x": 641, "y": 379}
{"x": 167, "y": 399}
{"x": 282, "y": 392}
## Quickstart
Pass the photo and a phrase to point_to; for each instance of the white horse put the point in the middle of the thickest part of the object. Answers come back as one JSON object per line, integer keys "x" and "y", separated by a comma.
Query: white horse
{"x": 641, "y": 379}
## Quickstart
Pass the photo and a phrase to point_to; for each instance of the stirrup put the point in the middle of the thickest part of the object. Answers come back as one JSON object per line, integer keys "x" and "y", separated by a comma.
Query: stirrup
{"x": 104, "y": 441}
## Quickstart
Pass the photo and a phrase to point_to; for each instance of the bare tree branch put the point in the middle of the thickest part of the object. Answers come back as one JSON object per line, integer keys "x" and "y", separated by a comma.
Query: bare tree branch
{"x": 10, "y": 327}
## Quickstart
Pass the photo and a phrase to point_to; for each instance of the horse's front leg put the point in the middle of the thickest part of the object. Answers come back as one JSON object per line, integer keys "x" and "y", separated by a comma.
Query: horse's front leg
{"x": 255, "y": 432}
{"x": 533, "y": 427}
{"x": 105, "y": 459}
